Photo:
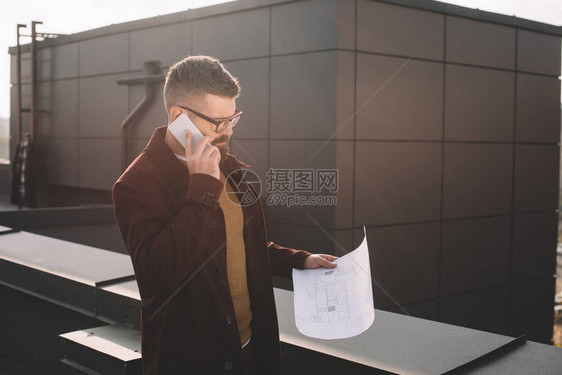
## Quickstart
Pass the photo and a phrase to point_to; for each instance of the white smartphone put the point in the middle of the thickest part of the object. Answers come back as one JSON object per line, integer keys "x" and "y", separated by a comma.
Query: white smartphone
{"x": 179, "y": 127}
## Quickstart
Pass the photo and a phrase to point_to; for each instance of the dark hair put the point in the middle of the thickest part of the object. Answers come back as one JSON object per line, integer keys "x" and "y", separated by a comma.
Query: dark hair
{"x": 195, "y": 76}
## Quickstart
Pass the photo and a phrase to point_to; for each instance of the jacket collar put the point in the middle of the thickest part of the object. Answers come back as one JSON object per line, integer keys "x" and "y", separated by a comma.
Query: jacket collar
{"x": 172, "y": 169}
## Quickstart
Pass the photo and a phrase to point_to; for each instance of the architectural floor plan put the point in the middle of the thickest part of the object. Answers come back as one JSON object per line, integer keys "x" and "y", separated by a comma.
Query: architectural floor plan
{"x": 330, "y": 294}
{"x": 338, "y": 302}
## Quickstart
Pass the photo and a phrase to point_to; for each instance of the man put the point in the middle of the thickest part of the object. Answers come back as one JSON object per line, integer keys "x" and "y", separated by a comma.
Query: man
{"x": 202, "y": 261}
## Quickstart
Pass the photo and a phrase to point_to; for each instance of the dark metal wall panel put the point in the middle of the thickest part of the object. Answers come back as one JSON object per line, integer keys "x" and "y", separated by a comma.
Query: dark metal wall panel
{"x": 99, "y": 165}
{"x": 247, "y": 36}
{"x": 253, "y": 76}
{"x": 532, "y": 309}
{"x": 345, "y": 129}
{"x": 58, "y": 62}
{"x": 537, "y": 168}
{"x": 398, "y": 99}
{"x": 479, "y": 104}
{"x": 402, "y": 31}
{"x": 397, "y": 182}
{"x": 153, "y": 115}
{"x": 65, "y": 61}
{"x": 535, "y": 238}
{"x": 61, "y": 102}
{"x": 412, "y": 253}
{"x": 255, "y": 153}
{"x": 103, "y": 106}
{"x": 304, "y": 26}
{"x": 167, "y": 44}
{"x": 480, "y": 43}
{"x": 304, "y": 155}
{"x": 61, "y": 166}
{"x": 477, "y": 179}
{"x": 475, "y": 254}
{"x": 312, "y": 113}
{"x": 538, "y": 53}
{"x": 93, "y": 55}
{"x": 538, "y": 109}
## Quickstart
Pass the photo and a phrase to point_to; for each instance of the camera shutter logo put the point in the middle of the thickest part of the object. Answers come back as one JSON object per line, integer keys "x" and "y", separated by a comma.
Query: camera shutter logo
{"x": 244, "y": 195}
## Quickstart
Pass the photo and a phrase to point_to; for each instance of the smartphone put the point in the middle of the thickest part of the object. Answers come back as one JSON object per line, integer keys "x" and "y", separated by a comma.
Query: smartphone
{"x": 179, "y": 127}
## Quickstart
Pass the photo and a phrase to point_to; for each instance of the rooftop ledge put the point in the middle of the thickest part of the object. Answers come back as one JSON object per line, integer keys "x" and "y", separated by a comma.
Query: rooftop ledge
{"x": 101, "y": 284}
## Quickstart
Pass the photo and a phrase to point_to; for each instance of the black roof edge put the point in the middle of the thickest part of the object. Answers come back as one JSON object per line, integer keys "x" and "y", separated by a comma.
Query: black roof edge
{"x": 477, "y": 14}
{"x": 160, "y": 20}
{"x": 241, "y": 5}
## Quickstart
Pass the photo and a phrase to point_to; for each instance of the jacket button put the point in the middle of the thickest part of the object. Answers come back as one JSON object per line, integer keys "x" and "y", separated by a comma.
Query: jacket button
{"x": 228, "y": 320}
{"x": 228, "y": 365}
{"x": 213, "y": 224}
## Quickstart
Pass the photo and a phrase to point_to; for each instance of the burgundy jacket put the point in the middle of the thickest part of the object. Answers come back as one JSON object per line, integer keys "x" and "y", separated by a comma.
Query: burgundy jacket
{"x": 174, "y": 231}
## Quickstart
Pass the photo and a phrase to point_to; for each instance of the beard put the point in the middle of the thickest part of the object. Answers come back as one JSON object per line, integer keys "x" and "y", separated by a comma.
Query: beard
{"x": 224, "y": 148}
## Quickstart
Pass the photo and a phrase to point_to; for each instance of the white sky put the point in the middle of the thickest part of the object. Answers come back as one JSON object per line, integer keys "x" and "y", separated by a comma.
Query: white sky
{"x": 72, "y": 16}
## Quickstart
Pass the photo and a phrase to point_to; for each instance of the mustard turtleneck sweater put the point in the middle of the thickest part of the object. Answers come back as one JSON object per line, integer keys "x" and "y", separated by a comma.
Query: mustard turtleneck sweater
{"x": 236, "y": 259}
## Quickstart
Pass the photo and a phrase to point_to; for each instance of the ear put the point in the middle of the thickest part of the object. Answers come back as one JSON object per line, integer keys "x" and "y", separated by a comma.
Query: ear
{"x": 173, "y": 114}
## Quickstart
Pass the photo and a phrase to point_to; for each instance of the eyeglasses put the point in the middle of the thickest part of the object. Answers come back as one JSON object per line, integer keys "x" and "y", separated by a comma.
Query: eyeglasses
{"x": 220, "y": 124}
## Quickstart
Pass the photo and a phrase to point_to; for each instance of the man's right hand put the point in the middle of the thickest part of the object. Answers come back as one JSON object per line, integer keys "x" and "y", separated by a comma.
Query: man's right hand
{"x": 202, "y": 160}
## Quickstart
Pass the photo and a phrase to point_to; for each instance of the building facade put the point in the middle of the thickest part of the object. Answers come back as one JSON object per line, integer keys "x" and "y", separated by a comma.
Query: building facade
{"x": 443, "y": 123}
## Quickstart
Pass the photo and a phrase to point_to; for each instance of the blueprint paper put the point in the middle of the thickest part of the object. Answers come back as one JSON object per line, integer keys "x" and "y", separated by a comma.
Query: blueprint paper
{"x": 335, "y": 303}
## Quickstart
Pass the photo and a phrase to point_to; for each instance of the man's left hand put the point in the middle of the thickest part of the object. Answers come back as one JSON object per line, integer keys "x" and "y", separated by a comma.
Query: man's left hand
{"x": 320, "y": 260}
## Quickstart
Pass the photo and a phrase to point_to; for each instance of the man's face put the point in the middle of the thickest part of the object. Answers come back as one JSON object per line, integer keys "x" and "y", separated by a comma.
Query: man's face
{"x": 217, "y": 108}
